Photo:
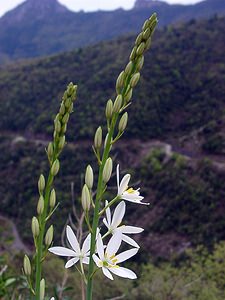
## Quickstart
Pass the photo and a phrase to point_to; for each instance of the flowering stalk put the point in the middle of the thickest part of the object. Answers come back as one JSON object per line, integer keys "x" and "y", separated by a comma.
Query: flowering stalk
{"x": 126, "y": 81}
{"x": 47, "y": 197}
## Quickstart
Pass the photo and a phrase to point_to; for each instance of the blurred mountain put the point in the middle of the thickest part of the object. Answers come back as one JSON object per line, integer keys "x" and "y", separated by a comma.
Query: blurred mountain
{"x": 43, "y": 27}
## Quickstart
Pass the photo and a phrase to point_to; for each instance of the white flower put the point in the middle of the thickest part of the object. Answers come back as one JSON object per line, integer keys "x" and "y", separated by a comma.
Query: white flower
{"x": 76, "y": 252}
{"x": 108, "y": 260}
{"x": 127, "y": 193}
{"x": 113, "y": 224}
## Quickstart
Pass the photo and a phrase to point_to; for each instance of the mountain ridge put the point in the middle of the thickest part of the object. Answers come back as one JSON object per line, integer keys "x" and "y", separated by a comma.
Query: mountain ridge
{"x": 24, "y": 33}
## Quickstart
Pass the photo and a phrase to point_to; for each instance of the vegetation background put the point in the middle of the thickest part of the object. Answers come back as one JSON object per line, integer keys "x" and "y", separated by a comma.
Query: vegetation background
{"x": 174, "y": 145}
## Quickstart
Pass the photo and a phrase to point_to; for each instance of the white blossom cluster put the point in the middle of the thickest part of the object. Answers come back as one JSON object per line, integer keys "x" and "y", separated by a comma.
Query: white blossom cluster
{"x": 106, "y": 255}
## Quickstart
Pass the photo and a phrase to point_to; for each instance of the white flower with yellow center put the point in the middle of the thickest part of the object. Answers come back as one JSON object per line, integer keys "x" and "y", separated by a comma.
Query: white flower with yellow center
{"x": 76, "y": 252}
{"x": 126, "y": 193}
{"x": 108, "y": 260}
{"x": 114, "y": 224}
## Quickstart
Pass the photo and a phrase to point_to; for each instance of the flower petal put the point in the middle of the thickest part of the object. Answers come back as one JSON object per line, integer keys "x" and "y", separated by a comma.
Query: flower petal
{"x": 118, "y": 177}
{"x": 62, "y": 251}
{"x": 86, "y": 244}
{"x": 107, "y": 273}
{"x": 118, "y": 214}
{"x": 124, "y": 184}
{"x": 100, "y": 247}
{"x": 123, "y": 272}
{"x": 85, "y": 260}
{"x": 114, "y": 244}
{"x": 130, "y": 241}
{"x": 72, "y": 239}
{"x": 106, "y": 223}
{"x": 97, "y": 260}
{"x": 126, "y": 255}
{"x": 136, "y": 199}
{"x": 71, "y": 262}
{"x": 131, "y": 229}
{"x": 108, "y": 213}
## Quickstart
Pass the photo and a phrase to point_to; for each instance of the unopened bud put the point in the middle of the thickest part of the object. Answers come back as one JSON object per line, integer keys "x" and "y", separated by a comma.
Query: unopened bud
{"x": 49, "y": 236}
{"x": 128, "y": 95}
{"x": 146, "y": 25}
{"x": 107, "y": 170}
{"x": 26, "y": 266}
{"x": 106, "y": 141}
{"x": 120, "y": 82}
{"x": 57, "y": 126}
{"x": 41, "y": 205}
{"x": 65, "y": 119}
{"x": 146, "y": 33}
{"x": 98, "y": 138}
{"x": 64, "y": 128}
{"x": 85, "y": 198}
{"x": 129, "y": 68}
{"x": 140, "y": 63}
{"x": 70, "y": 109}
{"x": 41, "y": 184}
{"x": 35, "y": 227}
{"x": 123, "y": 122}
{"x": 55, "y": 167}
{"x": 141, "y": 49}
{"x": 109, "y": 109}
{"x": 68, "y": 102}
{"x": 133, "y": 53}
{"x": 117, "y": 104}
{"x": 62, "y": 141}
{"x": 52, "y": 199}
{"x": 139, "y": 39}
{"x": 62, "y": 109}
{"x": 148, "y": 43}
{"x": 50, "y": 150}
{"x": 134, "y": 80}
{"x": 89, "y": 177}
{"x": 42, "y": 289}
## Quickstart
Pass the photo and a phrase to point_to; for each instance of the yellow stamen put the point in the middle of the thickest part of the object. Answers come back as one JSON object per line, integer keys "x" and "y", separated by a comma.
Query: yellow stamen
{"x": 130, "y": 191}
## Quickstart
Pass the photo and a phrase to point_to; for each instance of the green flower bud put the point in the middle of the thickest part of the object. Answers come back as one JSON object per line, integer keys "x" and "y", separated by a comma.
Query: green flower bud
{"x": 42, "y": 289}
{"x": 85, "y": 198}
{"x": 120, "y": 82}
{"x": 109, "y": 109}
{"x": 70, "y": 109}
{"x": 52, "y": 199}
{"x": 41, "y": 184}
{"x": 152, "y": 19}
{"x": 41, "y": 205}
{"x": 107, "y": 170}
{"x": 123, "y": 122}
{"x": 134, "y": 80}
{"x": 57, "y": 126}
{"x": 141, "y": 49}
{"x": 140, "y": 62}
{"x": 62, "y": 109}
{"x": 50, "y": 150}
{"x": 89, "y": 177}
{"x": 98, "y": 138}
{"x": 128, "y": 95}
{"x": 26, "y": 266}
{"x": 35, "y": 227}
{"x": 139, "y": 39}
{"x": 64, "y": 128}
{"x": 65, "y": 119}
{"x": 148, "y": 43}
{"x": 68, "y": 102}
{"x": 146, "y": 33}
{"x": 58, "y": 117}
{"x": 55, "y": 167}
{"x": 49, "y": 236}
{"x": 117, "y": 104}
{"x": 106, "y": 140}
{"x": 62, "y": 141}
{"x": 133, "y": 53}
{"x": 129, "y": 68}
{"x": 146, "y": 25}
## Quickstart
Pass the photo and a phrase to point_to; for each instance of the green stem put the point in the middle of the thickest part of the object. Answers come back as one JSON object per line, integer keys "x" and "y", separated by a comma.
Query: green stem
{"x": 109, "y": 204}
{"x": 100, "y": 188}
{"x": 39, "y": 249}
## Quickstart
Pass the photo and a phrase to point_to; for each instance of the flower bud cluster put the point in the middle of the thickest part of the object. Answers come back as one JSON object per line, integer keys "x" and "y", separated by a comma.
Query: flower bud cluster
{"x": 60, "y": 122}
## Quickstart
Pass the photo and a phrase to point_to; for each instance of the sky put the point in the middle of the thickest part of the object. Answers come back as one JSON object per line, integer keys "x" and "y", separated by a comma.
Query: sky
{"x": 89, "y": 5}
